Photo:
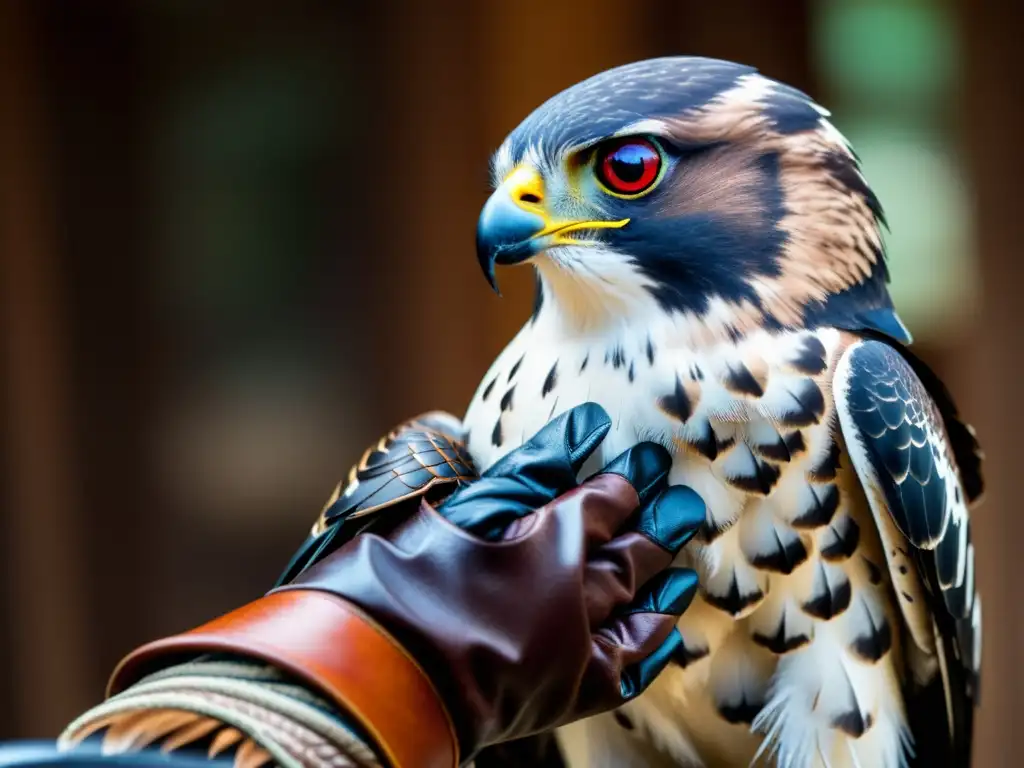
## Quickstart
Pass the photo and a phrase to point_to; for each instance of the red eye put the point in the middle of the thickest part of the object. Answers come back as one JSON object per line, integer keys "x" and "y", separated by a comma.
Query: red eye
{"x": 629, "y": 167}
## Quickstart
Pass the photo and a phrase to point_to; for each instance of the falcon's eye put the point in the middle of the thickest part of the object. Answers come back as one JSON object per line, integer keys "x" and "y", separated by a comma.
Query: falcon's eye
{"x": 629, "y": 167}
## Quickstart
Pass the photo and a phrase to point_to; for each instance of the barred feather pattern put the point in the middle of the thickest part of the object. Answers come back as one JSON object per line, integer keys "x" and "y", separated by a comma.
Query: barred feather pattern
{"x": 795, "y": 654}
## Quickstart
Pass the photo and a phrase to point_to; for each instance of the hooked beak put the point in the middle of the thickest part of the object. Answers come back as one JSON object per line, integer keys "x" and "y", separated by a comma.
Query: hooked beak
{"x": 515, "y": 224}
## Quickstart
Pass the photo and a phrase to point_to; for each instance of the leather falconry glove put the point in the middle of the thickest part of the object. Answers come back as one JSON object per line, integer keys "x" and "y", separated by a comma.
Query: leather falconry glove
{"x": 532, "y": 600}
{"x": 524, "y": 601}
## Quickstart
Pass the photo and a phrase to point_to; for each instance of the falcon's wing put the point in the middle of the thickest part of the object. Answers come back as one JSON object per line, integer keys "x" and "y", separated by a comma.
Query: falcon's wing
{"x": 423, "y": 457}
{"x": 900, "y": 445}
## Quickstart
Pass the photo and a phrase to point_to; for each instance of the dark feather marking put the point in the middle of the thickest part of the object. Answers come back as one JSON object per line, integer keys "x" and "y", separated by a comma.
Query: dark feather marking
{"x": 761, "y": 482}
{"x": 489, "y": 388}
{"x": 741, "y": 712}
{"x": 853, "y": 723}
{"x": 739, "y": 380}
{"x": 808, "y": 405}
{"x": 650, "y": 351}
{"x": 790, "y": 111}
{"x": 732, "y": 602}
{"x": 506, "y": 399}
{"x": 811, "y": 357}
{"x": 832, "y": 599}
{"x": 515, "y": 368}
{"x": 724, "y": 443}
{"x": 781, "y": 642}
{"x": 677, "y": 405}
{"x": 706, "y": 444}
{"x": 795, "y": 443}
{"x": 777, "y": 451}
{"x": 583, "y": 365}
{"x": 709, "y": 533}
{"x": 874, "y": 572}
{"x": 496, "y": 437}
{"x": 550, "y": 380}
{"x": 632, "y": 372}
{"x": 538, "y": 296}
{"x": 616, "y": 356}
{"x": 687, "y": 655}
{"x": 844, "y": 535}
{"x": 785, "y": 558}
{"x": 554, "y": 405}
{"x": 623, "y": 720}
{"x": 876, "y": 643}
{"x": 825, "y": 502}
{"x": 697, "y": 373}
{"x": 826, "y": 469}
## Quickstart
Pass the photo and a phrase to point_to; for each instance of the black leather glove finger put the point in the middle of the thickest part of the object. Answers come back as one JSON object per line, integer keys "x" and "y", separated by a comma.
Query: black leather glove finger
{"x": 669, "y": 593}
{"x": 529, "y": 477}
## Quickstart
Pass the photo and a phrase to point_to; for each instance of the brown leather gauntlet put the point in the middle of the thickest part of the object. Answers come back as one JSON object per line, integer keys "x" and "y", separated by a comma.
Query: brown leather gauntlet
{"x": 337, "y": 650}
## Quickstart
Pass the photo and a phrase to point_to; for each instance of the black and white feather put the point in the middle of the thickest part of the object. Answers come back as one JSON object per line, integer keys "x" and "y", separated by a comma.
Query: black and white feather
{"x": 899, "y": 445}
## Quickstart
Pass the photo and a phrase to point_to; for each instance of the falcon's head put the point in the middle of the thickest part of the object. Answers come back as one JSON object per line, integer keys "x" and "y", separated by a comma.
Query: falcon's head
{"x": 694, "y": 188}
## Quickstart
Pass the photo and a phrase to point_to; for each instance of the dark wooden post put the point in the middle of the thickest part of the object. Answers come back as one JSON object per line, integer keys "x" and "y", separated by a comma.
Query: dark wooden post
{"x": 47, "y": 637}
{"x": 992, "y": 120}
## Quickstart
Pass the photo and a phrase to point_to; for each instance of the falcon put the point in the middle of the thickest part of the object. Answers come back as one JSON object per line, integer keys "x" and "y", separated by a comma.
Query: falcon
{"x": 711, "y": 270}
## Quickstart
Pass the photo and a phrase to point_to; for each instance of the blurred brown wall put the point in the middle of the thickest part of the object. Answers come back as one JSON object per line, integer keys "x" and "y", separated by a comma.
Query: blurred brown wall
{"x": 102, "y": 550}
{"x": 988, "y": 371}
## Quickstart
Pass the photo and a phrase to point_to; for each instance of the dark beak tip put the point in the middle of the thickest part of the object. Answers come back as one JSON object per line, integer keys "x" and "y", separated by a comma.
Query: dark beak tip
{"x": 487, "y": 265}
{"x": 493, "y": 282}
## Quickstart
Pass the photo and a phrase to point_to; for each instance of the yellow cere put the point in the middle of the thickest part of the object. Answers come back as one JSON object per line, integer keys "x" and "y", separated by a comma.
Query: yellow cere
{"x": 525, "y": 186}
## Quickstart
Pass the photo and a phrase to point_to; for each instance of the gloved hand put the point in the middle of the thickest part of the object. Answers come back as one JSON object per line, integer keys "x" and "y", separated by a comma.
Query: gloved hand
{"x": 531, "y": 600}
{"x": 524, "y": 601}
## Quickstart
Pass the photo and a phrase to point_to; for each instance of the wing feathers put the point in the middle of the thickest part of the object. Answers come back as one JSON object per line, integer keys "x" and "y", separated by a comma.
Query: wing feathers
{"x": 899, "y": 443}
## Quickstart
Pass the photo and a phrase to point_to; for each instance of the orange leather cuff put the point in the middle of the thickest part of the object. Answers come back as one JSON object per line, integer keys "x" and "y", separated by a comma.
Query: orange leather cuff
{"x": 335, "y": 648}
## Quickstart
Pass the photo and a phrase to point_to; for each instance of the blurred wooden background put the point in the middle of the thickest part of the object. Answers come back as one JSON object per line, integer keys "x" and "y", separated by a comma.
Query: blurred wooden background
{"x": 236, "y": 244}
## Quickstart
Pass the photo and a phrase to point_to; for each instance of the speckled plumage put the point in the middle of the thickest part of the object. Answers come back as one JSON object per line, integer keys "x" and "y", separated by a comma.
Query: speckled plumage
{"x": 741, "y": 319}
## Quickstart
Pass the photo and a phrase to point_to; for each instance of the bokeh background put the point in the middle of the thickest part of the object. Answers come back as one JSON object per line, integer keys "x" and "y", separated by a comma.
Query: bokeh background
{"x": 237, "y": 244}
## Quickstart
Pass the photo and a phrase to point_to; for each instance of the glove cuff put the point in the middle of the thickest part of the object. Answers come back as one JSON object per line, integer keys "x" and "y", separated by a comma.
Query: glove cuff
{"x": 338, "y": 650}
